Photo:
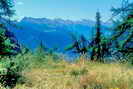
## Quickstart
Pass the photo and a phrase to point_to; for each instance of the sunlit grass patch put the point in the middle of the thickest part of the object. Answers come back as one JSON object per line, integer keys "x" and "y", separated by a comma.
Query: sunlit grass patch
{"x": 82, "y": 74}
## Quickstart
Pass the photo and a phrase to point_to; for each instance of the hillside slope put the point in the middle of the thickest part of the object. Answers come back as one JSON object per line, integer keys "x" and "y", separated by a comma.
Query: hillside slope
{"x": 54, "y": 32}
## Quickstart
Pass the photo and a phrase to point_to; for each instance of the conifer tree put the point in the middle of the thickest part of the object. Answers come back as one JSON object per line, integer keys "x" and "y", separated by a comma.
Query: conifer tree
{"x": 6, "y": 8}
{"x": 97, "y": 40}
{"x": 99, "y": 44}
{"x": 124, "y": 29}
{"x": 8, "y": 44}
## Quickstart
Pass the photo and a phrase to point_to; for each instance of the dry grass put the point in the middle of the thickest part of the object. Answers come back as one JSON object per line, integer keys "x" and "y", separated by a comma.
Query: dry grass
{"x": 79, "y": 75}
{"x": 65, "y": 75}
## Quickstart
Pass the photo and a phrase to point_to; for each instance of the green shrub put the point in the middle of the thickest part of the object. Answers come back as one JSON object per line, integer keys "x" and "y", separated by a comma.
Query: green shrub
{"x": 76, "y": 73}
{"x": 10, "y": 72}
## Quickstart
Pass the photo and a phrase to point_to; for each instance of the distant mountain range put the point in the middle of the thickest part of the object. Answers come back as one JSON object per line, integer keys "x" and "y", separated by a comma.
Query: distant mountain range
{"x": 53, "y": 32}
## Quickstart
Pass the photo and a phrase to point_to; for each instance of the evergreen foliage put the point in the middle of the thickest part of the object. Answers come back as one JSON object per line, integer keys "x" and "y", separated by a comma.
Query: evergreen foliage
{"x": 99, "y": 45}
{"x": 6, "y": 8}
{"x": 8, "y": 44}
{"x": 79, "y": 45}
{"x": 124, "y": 29}
{"x": 8, "y": 47}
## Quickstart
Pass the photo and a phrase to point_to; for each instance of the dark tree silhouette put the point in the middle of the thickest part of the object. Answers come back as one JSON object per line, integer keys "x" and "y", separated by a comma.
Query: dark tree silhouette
{"x": 99, "y": 44}
{"x": 97, "y": 40}
{"x": 79, "y": 45}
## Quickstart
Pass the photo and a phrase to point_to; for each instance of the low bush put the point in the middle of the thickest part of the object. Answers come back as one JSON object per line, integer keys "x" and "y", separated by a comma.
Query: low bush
{"x": 10, "y": 72}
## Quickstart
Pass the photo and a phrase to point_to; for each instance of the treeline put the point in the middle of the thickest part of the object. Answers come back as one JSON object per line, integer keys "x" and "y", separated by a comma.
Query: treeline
{"x": 119, "y": 46}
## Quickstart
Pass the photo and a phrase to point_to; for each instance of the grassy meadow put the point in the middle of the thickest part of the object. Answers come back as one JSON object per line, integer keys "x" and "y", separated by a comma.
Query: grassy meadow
{"x": 110, "y": 36}
{"x": 44, "y": 72}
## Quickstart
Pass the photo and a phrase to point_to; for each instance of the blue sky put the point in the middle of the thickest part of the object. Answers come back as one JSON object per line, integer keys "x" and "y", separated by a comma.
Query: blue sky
{"x": 65, "y": 9}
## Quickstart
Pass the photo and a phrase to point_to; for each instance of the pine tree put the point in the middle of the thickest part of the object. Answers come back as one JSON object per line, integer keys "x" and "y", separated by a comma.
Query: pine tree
{"x": 99, "y": 44}
{"x": 98, "y": 35}
{"x": 8, "y": 44}
{"x": 6, "y": 8}
{"x": 97, "y": 40}
{"x": 8, "y": 47}
{"x": 124, "y": 30}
